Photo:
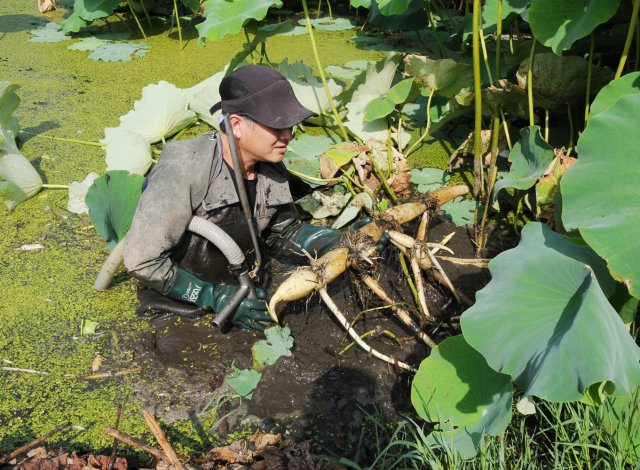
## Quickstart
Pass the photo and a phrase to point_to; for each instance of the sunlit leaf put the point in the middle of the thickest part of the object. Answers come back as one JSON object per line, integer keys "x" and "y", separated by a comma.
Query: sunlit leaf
{"x": 526, "y": 406}
{"x": 126, "y": 150}
{"x": 446, "y": 77}
{"x": 160, "y": 113}
{"x": 51, "y": 32}
{"x": 278, "y": 343}
{"x": 546, "y": 307}
{"x": 9, "y": 102}
{"x": 455, "y": 388}
{"x": 78, "y": 192}
{"x": 347, "y": 72}
{"x": 462, "y": 211}
{"x": 87, "y": 44}
{"x": 202, "y": 96}
{"x": 361, "y": 3}
{"x": 74, "y": 23}
{"x": 609, "y": 95}
{"x": 223, "y": 17}
{"x": 559, "y": 24}
{"x": 429, "y": 179}
{"x": 91, "y": 10}
{"x": 342, "y": 152}
{"x": 393, "y": 7}
{"x": 302, "y": 156}
{"x": 88, "y": 327}
{"x": 510, "y": 8}
{"x": 600, "y": 192}
{"x": 330, "y": 24}
{"x": 324, "y": 204}
{"x": 244, "y": 381}
{"x": 112, "y": 200}
{"x": 385, "y": 104}
{"x": 22, "y": 180}
{"x": 307, "y": 87}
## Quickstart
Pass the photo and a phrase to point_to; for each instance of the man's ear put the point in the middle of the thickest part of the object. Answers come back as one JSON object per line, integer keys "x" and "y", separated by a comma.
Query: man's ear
{"x": 237, "y": 126}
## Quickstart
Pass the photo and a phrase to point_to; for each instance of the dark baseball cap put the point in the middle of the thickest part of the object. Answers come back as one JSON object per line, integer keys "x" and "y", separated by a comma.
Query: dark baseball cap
{"x": 263, "y": 94}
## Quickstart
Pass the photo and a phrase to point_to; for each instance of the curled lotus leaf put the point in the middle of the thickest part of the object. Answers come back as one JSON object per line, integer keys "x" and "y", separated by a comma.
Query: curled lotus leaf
{"x": 22, "y": 179}
{"x": 160, "y": 113}
{"x": 127, "y": 150}
{"x": 445, "y": 77}
{"x": 223, "y": 17}
{"x": 9, "y": 102}
{"x": 77, "y": 193}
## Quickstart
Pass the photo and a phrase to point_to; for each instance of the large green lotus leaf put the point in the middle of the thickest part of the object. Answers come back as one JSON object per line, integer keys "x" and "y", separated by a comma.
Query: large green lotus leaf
{"x": 558, "y": 80}
{"x": 462, "y": 211}
{"x": 51, "y": 32}
{"x": 384, "y": 105}
{"x": 74, "y": 23}
{"x": 127, "y": 150}
{"x": 559, "y": 24}
{"x": 22, "y": 180}
{"x": 78, "y": 192}
{"x": 445, "y": 77}
{"x": 307, "y": 87}
{"x": 545, "y": 320}
{"x": 369, "y": 85}
{"x": 278, "y": 343}
{"x": 413, "y": 19}
{"x": 202, "y": 96}
{"x": 393, "y": 7}
{"x": 160, "y": 113}
{"x": 600, "y": 193}
{"x": 456, "y": 388}
{"x": 112, "y": 200}
{"x": 626, "y": 85}
{"x": 9, "y": 102}
{"x": 324, "y": 204}
{"x": 224, "y": 17}
{"x": 530, "y": 157}
{"x": 302, "y": 159}
{"x": 90, "y": 10}
{"x": 510, "y": 8}
{"x": 429, "y": 179}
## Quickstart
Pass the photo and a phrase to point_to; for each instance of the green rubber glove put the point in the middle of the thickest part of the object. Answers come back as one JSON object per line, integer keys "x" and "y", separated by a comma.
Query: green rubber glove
{"x": 212, "y": 296}
{"x": 314, "y": 240}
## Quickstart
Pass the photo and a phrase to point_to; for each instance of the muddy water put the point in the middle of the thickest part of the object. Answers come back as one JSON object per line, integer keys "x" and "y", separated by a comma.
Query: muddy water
{"x": 319, "y": 393}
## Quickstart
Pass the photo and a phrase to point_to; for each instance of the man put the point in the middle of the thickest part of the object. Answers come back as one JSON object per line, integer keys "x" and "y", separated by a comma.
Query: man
{"x": 195, "y": 177}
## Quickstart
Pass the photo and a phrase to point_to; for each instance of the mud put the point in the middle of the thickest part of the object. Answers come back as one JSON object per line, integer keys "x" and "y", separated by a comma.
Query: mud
{"x": 321, "y": 393}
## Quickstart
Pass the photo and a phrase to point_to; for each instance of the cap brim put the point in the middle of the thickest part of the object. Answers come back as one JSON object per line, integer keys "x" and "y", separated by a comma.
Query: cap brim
{"x": 216, "y": 107}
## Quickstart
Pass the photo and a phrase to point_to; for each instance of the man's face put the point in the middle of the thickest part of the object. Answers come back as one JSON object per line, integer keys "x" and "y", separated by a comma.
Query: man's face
{"x": 259, "y": 143}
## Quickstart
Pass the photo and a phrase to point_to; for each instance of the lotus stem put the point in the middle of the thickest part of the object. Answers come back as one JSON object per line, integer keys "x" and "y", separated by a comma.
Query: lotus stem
{"x": 343, "y": 321}
{"x": 493, "y": 175}
{"x": 477, "y": 88}
{"x": 63, "y": 139}
{"x": 385, "y": 183}
{"x": 370, "y": 333}
{"x": 314, "y": 178}
{"x": 336, "y": 116}
{"x": 426, "y": 130}
{"x": 146, "y": 13}
{"x": 478, "y": 262}
{"x": 401, "y": 312}
{"x": 415, "y": 266}
{"x": 135, "y": 17}
{"x": 587, "y": 103}
{"x": 530, "y": 82}
{"x": 175, "y": 12}
{"x": 627, "y": 42}
{"x": 54, "y": 186}
{"x": 435, "y": 32}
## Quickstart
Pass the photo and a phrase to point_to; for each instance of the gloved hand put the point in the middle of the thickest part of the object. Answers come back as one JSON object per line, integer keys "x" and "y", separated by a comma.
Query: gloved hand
{"x": 212, "y": 296}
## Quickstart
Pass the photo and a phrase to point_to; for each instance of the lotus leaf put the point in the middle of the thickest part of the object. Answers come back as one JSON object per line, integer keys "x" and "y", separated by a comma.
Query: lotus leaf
{"x": 445, "y": 77}
{"x": 342, "y": 153}
{"x": 223, "y": 17}
{"x": 468, "y": 399}
{"x": 9, "y": 102}
{"x": 160, "y": 113}
{"x": 361, "y": 3}
{"x": 51, "y": 32}
{"x": 78, "y": 193}
{"x": 307, "y": 87}
{"x": 302, "y": 156}
{"x": 348, "y": 71}
{"x": 384, "y": 105}
{"x": 370, "y": 84}
{"x": 462, "y": 211}
{"x": 87, "y": 44}
{"x": 244, "y": 381}
{"x": 330, "y": 24}
{"x": 429, "y": 179}
{"x": 530, "y": 158}
{"x": 112, "y": 200}
{"x": 90, "y": 10}
{"x": 203, "y": 95}
{"x": 510, "y": 8}
{"x": 600, "y": 192}
{"x": 393, "y": 7}
{"x": 322, "y": 205}
{"x": 23, "y": 181}
{"x": 558, "y": 80}
{"x": 74, "y": 23}
{"x": 626, "y": 85}
{"x": 278, "y": 343}
{"x": 127, "y": 150}
{"x": 360, "y": 200}
{"x": 118, "y": 51}
{"x": 546, "y": 306}
{"x": 559, "y": 24}
{"x": 526, "y": 406}
{"x": 262, "y": 34}
{"x": 413, "y": 19}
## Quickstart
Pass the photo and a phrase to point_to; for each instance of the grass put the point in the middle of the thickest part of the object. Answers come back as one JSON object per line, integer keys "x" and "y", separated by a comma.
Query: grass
{"x": 558, "y": 436}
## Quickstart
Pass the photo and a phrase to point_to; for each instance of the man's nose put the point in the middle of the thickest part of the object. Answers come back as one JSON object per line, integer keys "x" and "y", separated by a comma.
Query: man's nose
{"x": 286, "y": 134}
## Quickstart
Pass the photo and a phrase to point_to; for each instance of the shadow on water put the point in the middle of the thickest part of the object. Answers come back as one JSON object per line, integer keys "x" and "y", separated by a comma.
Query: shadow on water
{"x": 14, "y": 23}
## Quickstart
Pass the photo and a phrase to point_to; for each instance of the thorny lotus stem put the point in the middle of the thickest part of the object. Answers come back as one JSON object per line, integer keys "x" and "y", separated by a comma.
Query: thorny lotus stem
{"x": 336, "y": 116}
{"x": 627, "y": 42}
{"x": 343, "y": 321}
{"x": 477, "y": 88}
{"x": 402, "y": 313}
